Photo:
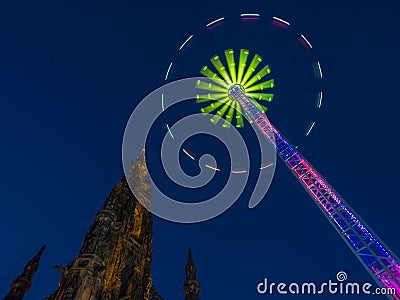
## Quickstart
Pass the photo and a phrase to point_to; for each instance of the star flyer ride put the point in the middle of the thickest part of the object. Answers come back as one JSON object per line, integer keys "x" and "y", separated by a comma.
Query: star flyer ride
{"x": 239, "y": 93}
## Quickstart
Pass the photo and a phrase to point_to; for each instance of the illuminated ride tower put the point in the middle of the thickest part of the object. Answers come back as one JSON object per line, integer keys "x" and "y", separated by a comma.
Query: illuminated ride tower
{"x": 235, "y": 95}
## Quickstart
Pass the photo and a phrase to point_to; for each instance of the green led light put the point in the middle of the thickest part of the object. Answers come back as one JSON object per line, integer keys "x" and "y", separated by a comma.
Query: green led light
{"x": 210, "y": 74}
{"x": 230, "y": 59}
{"x": 220, "y": 68}
{"x": 224, "y": 107}
{"x": 244, "y": 54}
{"x": 261, "y": 86}
{"x": 253, "y": 66}
{"x": 260, "y": 75}
{"x": 210, "y": 87}
{"x": 210, "y": 97}
{"x": 261, "y": 96}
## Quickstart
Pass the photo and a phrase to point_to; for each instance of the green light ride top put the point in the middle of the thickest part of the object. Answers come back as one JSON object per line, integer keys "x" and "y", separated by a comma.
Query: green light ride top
{"x": 243, "y": 76}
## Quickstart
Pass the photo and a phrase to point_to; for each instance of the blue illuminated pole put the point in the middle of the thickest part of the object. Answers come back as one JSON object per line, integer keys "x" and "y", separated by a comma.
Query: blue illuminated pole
{"x": 378, "y": 259}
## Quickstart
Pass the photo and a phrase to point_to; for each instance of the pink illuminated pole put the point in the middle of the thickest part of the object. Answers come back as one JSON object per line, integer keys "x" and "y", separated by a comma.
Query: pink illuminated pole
{"x": 378, "y": 259}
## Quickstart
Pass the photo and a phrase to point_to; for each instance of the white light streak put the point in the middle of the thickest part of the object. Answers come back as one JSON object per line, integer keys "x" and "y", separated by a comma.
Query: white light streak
{"x": 267, "y": 166}
{"x": 188, "y": 154}
{"x": 309, "y": 130}
{"x": 162, "y": 102}
{"x": 319, "y": 69}
{"x": 239, "y": 172}
{"x": 305, "y": 39}
{"x": 169, "y": 69}
{"x": 281, "y": 20}
{"x": 250, "y": 15}
{"x": 187, "y": 40}
{"x": 170, "y": 132}
{"x": 320, "y": 100}
{"x": 215, "y": 21}
{"x": 212, "y": 168}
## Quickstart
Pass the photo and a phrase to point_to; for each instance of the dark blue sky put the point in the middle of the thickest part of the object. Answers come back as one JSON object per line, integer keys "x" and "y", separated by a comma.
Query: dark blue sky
{"x": 71, "y": 74}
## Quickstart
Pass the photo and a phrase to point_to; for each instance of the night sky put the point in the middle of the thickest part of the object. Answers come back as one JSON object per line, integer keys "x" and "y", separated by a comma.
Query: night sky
{"x": 71, "y": 73}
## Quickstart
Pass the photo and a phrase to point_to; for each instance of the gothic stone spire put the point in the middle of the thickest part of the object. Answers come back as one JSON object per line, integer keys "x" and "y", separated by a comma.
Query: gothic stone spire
{"x": 115, "y": 257}
{"x": 21, "y": 285}
{"x": 191, "y": 285}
